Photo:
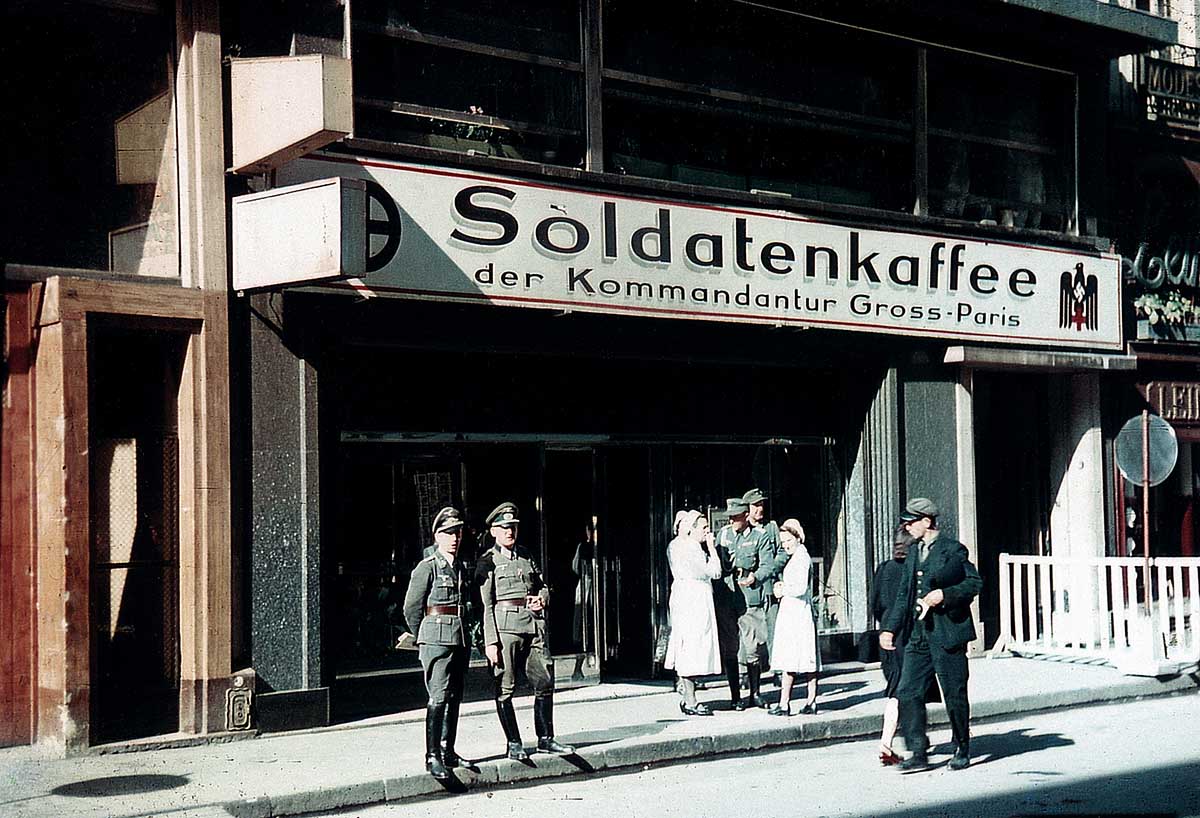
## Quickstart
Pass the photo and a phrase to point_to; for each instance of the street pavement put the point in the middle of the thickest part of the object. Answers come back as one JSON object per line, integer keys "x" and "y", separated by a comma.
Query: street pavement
{"x": 614, "y": 726}
{"x": 1135, "y": 758}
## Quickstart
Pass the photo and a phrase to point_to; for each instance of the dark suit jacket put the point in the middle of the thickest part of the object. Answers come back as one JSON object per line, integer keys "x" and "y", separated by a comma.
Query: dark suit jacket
{"x": 949, "y": 568}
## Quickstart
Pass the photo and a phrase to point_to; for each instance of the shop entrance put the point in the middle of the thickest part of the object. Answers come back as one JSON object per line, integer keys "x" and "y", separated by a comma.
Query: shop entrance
{"x": 134, "y": 500}
{"x": 596, "y": 512}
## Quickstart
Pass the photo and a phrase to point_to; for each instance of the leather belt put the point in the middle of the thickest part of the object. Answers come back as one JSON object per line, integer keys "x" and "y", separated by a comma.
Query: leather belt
{"x": 511, "y": 603}
{"x": 452, "y": 610}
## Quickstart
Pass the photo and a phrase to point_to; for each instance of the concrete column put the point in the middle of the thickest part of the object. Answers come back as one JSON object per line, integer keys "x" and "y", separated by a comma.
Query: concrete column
{"x": 931, "y": 441}
{"x": 285, "y": 544}
{"x": 968, "y": 527}
{"x": 1077, "y": 516}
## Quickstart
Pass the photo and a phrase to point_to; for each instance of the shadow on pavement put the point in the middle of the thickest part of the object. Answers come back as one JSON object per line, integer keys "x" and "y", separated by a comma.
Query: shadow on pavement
{"x": 119, "y": 785}
{"x": 987, "y": 747}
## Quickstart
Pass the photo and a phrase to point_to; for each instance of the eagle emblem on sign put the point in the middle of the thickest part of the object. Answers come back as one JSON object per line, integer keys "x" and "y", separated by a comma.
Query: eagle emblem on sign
{"x": 1077, "y": 300}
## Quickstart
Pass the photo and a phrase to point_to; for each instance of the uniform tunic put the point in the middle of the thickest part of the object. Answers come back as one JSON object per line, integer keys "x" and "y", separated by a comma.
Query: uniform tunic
{"x": 753, "y": 550}
{"x": 441, "y": 637}
{"x": 506, "y": 579}
{"x": 693, "y": 649}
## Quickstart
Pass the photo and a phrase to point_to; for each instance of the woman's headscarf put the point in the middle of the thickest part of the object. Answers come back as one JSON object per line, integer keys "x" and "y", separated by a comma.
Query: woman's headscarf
{"x": 793, "y": 527}
{"x": 684, "y": 520}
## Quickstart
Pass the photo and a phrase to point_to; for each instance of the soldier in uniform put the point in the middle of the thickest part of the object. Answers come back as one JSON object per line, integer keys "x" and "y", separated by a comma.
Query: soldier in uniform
{"x": 768, "y": 529}
{"x": 514, "y": 631}
{"x": 933, "y": 605}
{"x": 755, "y": 567}
{"x": 434, "y": 608}
{"x": 728, "y": 601}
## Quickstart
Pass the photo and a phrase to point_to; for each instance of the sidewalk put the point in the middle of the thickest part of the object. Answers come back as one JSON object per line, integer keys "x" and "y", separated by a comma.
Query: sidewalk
{"x": 612, "y": 725}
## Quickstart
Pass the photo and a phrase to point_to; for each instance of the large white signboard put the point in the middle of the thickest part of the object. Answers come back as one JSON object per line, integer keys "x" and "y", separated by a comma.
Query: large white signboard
{"x": 454, "y": 235}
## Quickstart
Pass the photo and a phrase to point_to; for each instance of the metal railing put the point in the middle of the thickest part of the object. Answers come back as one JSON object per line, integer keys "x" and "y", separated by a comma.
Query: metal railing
{"x": 1095, "y": 608}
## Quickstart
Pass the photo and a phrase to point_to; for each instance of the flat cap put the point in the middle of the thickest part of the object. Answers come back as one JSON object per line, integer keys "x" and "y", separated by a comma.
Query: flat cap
{"x": 736, "y": 505}
{"x": 503, "y": 515}
{"x": 446, "y": 519}
{"x": 917, "y": 508}
{"x": 754, "y": 496}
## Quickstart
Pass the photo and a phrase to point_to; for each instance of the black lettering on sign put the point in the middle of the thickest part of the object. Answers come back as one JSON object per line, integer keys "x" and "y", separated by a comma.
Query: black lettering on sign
{"x": 389, "y": 227}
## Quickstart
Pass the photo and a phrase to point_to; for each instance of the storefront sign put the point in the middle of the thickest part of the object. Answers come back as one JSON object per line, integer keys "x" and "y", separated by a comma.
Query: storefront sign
{"x": 1172, "y": 91}
{"x": 455, "y": 235}
{"x": 1176, "y": 266}
{"x": 1176, "y": 401}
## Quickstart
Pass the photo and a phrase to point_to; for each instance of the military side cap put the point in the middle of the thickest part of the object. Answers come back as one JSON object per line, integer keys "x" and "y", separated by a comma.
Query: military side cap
{"x": 919, "y": 507}
{"x": 754, "y": 496}
{"x": 447, "y": 519}
{"x": 736, "y": 505}
{"x": 504, "y": 514}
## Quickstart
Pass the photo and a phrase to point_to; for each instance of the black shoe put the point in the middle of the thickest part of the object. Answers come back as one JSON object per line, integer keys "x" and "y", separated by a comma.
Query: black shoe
{"x": 757, "y": 701}
{"x": 698, "y": 710}
{"x": 776, "y": 710}
{"x": 516, "y": 751}
{"x": 810, "y": 709}
{"x": 916, "y": 761}
{"x": 961, "y": 759}
{"x": 548, "y": 744}
{"x": 436, "y": 768}
{"x": 738, "y": 704}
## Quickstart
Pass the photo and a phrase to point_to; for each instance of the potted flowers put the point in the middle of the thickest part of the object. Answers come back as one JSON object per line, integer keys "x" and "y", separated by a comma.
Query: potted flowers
{"x": 1167, "y": 315}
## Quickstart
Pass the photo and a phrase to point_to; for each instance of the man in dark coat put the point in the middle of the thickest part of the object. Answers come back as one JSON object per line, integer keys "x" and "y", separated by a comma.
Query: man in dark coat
{"x": 934, "y": 604}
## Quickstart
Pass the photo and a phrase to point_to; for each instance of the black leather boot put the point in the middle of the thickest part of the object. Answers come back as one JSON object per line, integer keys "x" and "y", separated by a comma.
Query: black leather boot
{"x": 434, "y": 714}
{"x": 449, "y": 734}
{"x": 543, "y": 725}
{"x": 961, "y": 758}
{"x": 754, "y": 675}
{"x": 512, "y": 734}
{"x": 735, "y": 691}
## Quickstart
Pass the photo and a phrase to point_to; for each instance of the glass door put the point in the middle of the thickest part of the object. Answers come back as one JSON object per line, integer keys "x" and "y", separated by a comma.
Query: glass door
{"x": 569, "y": 563}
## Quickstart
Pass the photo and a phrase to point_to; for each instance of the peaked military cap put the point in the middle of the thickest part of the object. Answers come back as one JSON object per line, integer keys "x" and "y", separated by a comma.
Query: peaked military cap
{"x": 736, "y": 505}
{"x": 917, "y": 508}
{"x": 447, "y": 519}
{"x": 754, "y": 496}
{"x": 504, "y": 514}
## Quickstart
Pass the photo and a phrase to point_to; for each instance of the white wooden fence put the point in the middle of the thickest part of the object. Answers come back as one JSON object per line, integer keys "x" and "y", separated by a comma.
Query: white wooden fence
{"x": 1095, "y": 608}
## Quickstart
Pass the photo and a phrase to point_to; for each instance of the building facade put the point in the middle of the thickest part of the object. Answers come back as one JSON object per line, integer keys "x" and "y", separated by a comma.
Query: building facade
{"x": 621, "y": 261}
{"x": 316, "y": 269}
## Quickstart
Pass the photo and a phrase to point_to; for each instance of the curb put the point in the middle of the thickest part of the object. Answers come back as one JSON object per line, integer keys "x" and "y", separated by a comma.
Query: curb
{"x": 638, "y": 752}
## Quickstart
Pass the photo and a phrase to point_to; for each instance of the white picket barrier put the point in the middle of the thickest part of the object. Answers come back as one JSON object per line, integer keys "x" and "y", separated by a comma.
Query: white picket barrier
{"x": 1094, "y": 608}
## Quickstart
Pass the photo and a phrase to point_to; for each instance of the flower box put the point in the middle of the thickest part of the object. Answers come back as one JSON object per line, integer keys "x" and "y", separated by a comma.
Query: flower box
{"x": 1166, "y": 331}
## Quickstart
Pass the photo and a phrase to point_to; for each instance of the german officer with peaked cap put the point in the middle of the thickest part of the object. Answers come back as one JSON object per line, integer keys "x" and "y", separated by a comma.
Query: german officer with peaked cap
{"x": 755, "y": 564}
{"x": 933, "y": 603}
{"x": 434, "y": 608}
{"x": 514, "y": 631}
{"x": 768, "y": 533}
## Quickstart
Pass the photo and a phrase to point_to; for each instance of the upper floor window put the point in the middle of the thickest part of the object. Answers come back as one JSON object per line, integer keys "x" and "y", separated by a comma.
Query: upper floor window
{"x": 497, "y": 77}
{"x": 91, "y": 135}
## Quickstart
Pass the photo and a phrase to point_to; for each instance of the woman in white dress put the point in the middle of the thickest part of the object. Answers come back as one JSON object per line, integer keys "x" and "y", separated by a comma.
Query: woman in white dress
{"x": 795, "y": 649}
{"x": 692, "y": 648}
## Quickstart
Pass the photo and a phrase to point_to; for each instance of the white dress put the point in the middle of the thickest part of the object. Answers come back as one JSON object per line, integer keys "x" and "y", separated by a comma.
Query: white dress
{"x": 795, "y": 647}
{"x": 692, "y": 648}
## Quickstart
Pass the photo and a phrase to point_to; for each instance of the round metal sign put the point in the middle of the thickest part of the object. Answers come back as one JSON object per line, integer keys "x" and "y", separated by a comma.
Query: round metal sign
{"x": 1164, "y": 450}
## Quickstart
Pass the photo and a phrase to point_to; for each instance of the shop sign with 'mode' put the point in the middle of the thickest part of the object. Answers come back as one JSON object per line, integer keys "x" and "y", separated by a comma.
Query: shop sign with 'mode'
{"x": 454, "y": 235}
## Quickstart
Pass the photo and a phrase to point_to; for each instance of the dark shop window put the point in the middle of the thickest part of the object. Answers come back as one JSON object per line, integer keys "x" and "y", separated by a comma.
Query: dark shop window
{"x": 1001, "y": 142}
{"x": 496, "y": 78}
{"x": 755, "y": 99}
